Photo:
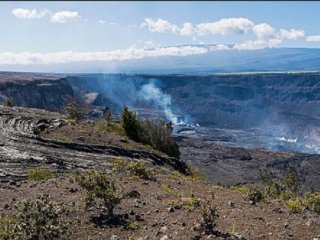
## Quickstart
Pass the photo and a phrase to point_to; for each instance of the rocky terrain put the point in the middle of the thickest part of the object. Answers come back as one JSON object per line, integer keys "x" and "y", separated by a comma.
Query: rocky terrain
{"x": 21, "y": 149}
{"x": 167, "y": 206}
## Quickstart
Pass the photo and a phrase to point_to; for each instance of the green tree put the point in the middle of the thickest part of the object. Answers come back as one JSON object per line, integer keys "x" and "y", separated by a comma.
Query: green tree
{"x": 8, "y": 102}
{"x": 291, "y": 182}
{"x": 74, "y": 112}
{"x": 130, "y": 124}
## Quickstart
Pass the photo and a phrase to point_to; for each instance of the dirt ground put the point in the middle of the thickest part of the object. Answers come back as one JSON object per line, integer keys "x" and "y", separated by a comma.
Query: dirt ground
{"x": 151, "y": 217}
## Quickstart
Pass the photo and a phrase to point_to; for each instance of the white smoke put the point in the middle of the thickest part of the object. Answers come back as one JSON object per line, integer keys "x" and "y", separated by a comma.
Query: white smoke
{"x": 151, "y": 93}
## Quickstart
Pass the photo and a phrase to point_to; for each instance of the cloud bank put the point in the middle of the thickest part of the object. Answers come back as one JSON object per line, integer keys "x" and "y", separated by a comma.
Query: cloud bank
{"x": 57, "y": 17}
{"x": 266, "y": 35}
{"x": 65, "y": 16}
{"x": 24, "y": 13}
{"x": 29, "y": 58}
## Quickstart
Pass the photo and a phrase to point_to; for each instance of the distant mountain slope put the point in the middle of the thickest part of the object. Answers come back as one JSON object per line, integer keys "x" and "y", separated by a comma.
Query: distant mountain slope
{"x": 275, "y": 59}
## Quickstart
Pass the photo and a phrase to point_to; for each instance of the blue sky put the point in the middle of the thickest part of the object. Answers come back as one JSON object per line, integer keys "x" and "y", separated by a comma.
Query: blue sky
{"x": 108, "y": 31}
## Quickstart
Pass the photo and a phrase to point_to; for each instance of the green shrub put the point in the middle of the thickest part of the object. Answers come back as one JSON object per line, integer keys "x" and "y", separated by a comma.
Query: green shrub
{"x": 312, "y": 201}
{"x": 139, "y": 168}
{"x": 241, "y": 189}
{"x": 195, "y": 174}
{"x": 291, "y": 182}
{"x": 39, "y": 174}
{"x": 7, "y": 226}
{"x": 99, "y": 186}
{"x": 155, "y": 133}
{"x": 105, "y": 126}
{"x": 294, "y": 205}
{"x": 8, "y": 103}
{"x": 158, "y": 135}
{"x": 275, "y": 189}
{"x": 74, "y": 112}
{"x": 209, "y": 218}
{"x": 255, "y": 194}
{"x": 40, "y": 219}
{"x": 130, "y": 124}
{"x": 119, "y": 165}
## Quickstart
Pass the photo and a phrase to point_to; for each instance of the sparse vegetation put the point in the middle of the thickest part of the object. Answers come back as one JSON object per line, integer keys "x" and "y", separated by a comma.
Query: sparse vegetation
{"x": 40, "y": 173}
{"x": 189, "y": 203}
{"x": 312, "y": 201}
{"x": 294, "y": 205}
{"x": 286, "y": 190}
{"x": 106, "y": 126}
{"x": 7, "y": 226}
{"x": 101, "y": 192}
{"x": 137, "y": 168}
{"x": 210, "y": 216}
{"x": 133, "y": 225}
{"x": 74, "y": 112}
{"x": 40, "y": 219}
{"x": 291, "y": 182}
{"x": 255, "y": 194}
{"x": 155, "y": 133}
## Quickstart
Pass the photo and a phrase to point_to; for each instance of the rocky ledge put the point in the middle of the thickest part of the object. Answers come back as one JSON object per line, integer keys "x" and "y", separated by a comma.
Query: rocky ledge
{"x": 21, "y": 149}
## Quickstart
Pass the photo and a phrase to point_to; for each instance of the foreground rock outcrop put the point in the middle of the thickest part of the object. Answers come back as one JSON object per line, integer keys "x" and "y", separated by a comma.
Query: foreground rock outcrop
{"x": 22, "y": 149}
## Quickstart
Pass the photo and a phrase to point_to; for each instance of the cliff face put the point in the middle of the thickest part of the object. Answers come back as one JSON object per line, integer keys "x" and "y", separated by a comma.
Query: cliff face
{"x": 248, "y": 100}
{"x": 224, "y": 101}
{"x": 49, "y": 94}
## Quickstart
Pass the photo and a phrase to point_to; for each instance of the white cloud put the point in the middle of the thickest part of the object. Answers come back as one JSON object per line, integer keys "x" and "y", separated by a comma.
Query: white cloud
{"x": 104, "y": 22}
{"x": 24, "y": 13}
{"x": 187, "y": 29}
{"x": 225, "y": 26}
{"x": 263, "y": 31}
{"x": 65, "y": 16}
{"x": 292, "y": 34}
{"x": 258, "y": 44}
{"x": 314, "y": 38}
{"x": 159, "y": 25}
{"x": 29, "y": 58}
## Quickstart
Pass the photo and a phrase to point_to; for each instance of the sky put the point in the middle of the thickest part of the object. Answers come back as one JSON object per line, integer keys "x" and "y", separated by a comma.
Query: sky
{"x": 48, "y": 33}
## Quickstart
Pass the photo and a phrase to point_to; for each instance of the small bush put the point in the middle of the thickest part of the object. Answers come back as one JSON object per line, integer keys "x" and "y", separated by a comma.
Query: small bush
{"x": 138, "y": 168}
{"x": 40, "y": 219}
{"x": 275, "y": 189}
{"x": 189, "y": 203}
{"x": 155, "y": 133}
{"x": 119, "y": 165}
{"x": 209, "y": 217}
{"x": 105, "y": 126}
{"x": 7, "y": 226}
{"x": 312, "y": 201}
{"x": 294, "y": 205}
{"x": 255, "y": 194}
{"x": 39, "y": 174}
{"x": 195, "y": 174}
{"x": 99, "y": 187}
{"x": 8, "y": 103}
{"x": 291, "y": 182}
{"x": 240, "y": 189}
{"x": 133, "y": 225}
{"x": 74, "y": 112}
